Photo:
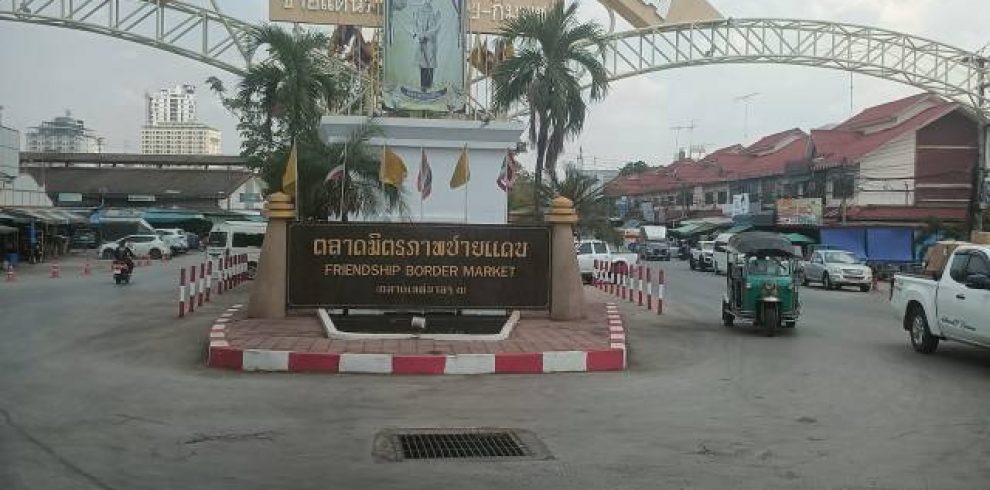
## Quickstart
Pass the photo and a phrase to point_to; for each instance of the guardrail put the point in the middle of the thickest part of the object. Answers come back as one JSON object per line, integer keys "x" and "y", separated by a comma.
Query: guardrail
{"x": 633, "y": 283}
{"x": 220, "y": 274}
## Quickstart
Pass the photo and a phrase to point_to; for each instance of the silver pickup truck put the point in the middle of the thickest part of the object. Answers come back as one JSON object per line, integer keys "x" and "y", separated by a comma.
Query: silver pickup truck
{"x": 954, "y": 306}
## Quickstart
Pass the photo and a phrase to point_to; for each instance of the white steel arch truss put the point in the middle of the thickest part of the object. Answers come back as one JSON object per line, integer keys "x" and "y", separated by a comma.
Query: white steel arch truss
{"x": 202, "y": 33}
{"x": 953, "y": 73}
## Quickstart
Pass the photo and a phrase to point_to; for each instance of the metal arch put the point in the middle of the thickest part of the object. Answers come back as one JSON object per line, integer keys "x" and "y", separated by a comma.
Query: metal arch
{"x": 201, "y": 33}
{"x": 953, "y": 73}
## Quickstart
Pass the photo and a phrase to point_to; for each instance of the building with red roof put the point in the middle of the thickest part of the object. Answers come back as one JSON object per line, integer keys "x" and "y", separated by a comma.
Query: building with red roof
{"x": 899, "y": 162}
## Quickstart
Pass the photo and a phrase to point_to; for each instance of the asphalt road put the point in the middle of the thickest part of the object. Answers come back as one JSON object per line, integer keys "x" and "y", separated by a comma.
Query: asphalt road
{"x": 101, "y": 387}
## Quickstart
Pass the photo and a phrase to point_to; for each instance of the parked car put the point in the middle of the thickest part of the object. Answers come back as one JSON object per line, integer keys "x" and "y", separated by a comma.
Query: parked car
{"x": 952, "y": 307}
{"x": 589, "y": 251}
{"x": 652, "y": 243}
{"x": 702, "y": 255}
{"x": 720, "y": 256}
{"x": 142, "y": 245}
{"x": 238, "y": 237}
{"x": 835, "y": 269}
{"x": 175, "y": 238}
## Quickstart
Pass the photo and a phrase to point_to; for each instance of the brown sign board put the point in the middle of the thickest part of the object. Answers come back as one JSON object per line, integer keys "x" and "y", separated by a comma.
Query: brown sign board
{"x": 484, "y": 16}
{"x": 418, "y": 266}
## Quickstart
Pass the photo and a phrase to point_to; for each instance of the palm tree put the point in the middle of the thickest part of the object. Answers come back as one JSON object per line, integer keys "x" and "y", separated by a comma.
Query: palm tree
{"x": 280, "y": 102}
{"x": 362, "y": 192}
{"x": 545, "y": 74}
{"x": 590, "y": 201}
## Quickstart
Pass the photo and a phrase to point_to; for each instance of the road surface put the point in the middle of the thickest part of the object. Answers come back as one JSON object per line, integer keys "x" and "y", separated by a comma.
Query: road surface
{"x": 101, "y": 388}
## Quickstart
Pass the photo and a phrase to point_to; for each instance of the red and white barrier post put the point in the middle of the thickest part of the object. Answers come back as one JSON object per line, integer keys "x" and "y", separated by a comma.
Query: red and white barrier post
{"x": 639, "y": 282}
{"x": 649, "y": 289}
{"x": 55, "y": 271}
{"x": 192, "y": 288}
{"x": 660, "y": 280}
{"x": 182, "y": 292}
{"x": 201, "y": 288}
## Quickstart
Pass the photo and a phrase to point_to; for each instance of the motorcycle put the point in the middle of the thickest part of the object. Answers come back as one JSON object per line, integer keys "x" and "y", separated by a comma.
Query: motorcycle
{"x": 121, "y": 272}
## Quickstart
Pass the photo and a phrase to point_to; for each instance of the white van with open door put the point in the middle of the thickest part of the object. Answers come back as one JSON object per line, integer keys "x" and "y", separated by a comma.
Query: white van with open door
{"x": 238, "y": 237}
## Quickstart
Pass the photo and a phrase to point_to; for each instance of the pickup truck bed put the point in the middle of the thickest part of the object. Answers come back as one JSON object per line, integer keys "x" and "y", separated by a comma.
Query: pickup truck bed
{"x": 952, "y": 307}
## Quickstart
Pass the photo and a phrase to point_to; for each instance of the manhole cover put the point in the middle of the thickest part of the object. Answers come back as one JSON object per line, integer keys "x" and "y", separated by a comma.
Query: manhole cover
{"x": 459, "y": 444}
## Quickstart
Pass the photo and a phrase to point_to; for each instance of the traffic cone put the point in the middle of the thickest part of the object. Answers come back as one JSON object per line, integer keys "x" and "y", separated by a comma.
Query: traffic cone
{"x": 11, "y": 274}
{"x": 55, "y": 272}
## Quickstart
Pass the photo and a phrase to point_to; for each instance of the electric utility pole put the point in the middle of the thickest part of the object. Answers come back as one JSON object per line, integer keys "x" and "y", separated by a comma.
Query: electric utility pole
{"x": 745, "y": 100}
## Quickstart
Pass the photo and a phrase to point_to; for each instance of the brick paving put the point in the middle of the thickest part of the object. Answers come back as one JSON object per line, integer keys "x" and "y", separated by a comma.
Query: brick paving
{"x": 535, "y": 332}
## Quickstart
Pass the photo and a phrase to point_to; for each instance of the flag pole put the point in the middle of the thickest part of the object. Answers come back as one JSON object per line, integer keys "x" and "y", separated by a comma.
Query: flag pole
{"x": 418, "y": 183}
{"x": 343, "y": 185}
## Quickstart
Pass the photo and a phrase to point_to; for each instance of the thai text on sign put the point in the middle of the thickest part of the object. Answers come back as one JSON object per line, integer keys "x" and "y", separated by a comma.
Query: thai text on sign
{"x": 392, "y": 265}
{"x": 484, "y": 16}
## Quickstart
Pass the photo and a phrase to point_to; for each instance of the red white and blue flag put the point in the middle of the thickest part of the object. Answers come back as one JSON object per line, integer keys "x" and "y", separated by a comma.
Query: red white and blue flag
{"x": 510, "y": 168}
{"x": 424, "y": 181}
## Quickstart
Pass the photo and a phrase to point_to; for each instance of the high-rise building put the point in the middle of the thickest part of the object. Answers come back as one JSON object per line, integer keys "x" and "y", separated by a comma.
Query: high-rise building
{"x": 64, "y": 134}
{"x": 176, "y": 105}
{"x": 172, "y": 128}
{"x": 180, "y": 139}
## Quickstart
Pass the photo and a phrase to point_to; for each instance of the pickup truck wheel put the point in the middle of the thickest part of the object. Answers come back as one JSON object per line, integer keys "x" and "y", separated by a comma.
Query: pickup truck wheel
{"x": 921, "y": 338}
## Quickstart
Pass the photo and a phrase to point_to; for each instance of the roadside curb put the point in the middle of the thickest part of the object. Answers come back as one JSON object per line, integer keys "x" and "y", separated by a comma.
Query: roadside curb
{"x": 222, "y": 355}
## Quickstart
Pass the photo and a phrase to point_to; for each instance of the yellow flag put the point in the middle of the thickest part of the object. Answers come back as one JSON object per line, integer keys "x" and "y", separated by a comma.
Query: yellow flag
{"x": 392, "y": 170}
{"x": 462, "y": 172}
{"x": 291, "y": 173}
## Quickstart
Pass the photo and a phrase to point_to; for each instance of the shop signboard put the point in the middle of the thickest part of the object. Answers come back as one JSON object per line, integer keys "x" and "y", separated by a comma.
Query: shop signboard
{"x": 421, "y": 266}
{"x": 799, "y": 212}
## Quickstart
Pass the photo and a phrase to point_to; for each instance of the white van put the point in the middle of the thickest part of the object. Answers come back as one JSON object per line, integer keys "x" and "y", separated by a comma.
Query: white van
{"x": 238, "y": 237}
{"x": 721, "y": 256}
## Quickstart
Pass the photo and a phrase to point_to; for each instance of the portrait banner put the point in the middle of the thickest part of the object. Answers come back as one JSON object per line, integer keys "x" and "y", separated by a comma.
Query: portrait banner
{"x": 423, "y": 54}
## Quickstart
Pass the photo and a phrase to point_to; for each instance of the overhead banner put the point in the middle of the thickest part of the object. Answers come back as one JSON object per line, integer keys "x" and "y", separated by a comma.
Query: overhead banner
{"x": 424, "y": 55}
{"x": 418, "y": 266}
{"x": 799, "y": 212}
{"x": 484, "y": 16}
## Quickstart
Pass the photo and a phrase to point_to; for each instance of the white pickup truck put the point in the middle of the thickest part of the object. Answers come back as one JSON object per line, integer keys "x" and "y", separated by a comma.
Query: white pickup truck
{"x": 588, "y": 251}
{"x": 954, "y": 306}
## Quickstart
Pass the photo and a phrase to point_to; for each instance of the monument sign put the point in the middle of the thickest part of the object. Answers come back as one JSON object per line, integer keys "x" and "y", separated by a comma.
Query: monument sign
{"x": 421, "y": 266}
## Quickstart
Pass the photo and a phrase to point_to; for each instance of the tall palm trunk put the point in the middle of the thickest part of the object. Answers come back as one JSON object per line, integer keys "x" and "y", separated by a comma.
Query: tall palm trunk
{"x": 541, "y": 153}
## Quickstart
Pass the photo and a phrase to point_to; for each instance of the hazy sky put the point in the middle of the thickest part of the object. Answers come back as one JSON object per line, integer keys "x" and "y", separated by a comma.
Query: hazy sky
{"x": 45, "y": 71}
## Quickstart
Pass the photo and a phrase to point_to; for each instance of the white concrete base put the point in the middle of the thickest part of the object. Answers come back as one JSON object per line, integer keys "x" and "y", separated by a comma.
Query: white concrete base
{"x": 332, "y": 333}
{"x": 265, "y": 360}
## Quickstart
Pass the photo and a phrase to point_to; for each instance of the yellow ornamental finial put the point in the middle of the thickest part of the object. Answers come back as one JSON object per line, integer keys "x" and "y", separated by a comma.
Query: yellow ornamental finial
{"x": 561, "y": 211}
{"x": 280, "y": 205}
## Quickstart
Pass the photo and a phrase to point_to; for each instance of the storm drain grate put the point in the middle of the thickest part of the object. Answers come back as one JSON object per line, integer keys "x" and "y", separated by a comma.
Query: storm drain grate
{"x": 461, "y": 444}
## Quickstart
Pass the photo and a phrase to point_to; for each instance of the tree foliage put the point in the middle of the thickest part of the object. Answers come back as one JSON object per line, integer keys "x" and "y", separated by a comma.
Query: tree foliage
{"x": 541, "y": 74}
{"x": 634, "y": 168}
{"x": 280, "y": 101}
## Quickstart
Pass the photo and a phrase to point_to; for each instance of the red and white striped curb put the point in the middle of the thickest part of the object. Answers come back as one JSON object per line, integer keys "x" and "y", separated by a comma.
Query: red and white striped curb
{"x": 222, "y": 355}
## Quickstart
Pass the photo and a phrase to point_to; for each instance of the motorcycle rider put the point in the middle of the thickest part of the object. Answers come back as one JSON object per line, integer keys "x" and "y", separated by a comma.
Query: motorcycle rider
{"x": 123, "y": 253}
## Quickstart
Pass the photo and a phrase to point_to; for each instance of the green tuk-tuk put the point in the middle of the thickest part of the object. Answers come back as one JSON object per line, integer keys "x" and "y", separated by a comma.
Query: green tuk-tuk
{"x": 760, "y": 282}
